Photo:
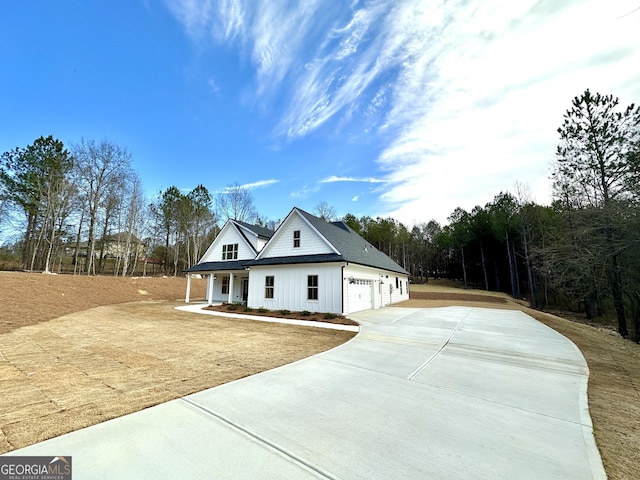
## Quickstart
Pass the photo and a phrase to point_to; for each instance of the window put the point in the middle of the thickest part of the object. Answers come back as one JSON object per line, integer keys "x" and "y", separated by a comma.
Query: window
{"x": 230, "y": 251}
{"x": 225, "y": 285}
{"x": 296, "y": 238}
{"x": 396, "y": 283}
{"x": 268, "y": 287}
{"x": 312, "y": 287}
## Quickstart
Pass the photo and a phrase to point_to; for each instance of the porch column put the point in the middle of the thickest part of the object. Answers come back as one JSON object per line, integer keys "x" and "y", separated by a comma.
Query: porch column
{"x": 186, "y": 297}
{"x": 230, "y": 287}
{"x": 210, "y": 281}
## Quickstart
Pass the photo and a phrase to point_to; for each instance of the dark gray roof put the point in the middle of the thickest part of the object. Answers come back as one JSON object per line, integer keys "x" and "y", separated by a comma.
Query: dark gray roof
{"x": 352, "y": 247}
{"x": 218, "y": 266}
{"x": 260, "y": 231}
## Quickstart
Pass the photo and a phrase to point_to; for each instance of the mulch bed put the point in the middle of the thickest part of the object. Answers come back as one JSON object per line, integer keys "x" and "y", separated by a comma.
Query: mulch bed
{"x": 311, "y": 316}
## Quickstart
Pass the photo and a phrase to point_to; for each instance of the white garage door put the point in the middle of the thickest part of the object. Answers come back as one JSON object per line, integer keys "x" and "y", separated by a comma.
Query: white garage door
{"x": 359, "y": 295}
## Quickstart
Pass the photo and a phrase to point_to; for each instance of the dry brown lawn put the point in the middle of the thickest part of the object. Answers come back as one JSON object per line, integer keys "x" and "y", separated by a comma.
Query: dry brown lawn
{"x": 614, "y": 371}
{"x": 61, "y": 371}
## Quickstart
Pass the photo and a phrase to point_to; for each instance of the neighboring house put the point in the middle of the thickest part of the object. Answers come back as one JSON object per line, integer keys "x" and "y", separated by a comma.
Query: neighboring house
{"x": 115, "y": 246}
{"x": 111, "y": 246}
{"x": 306, "y": 264}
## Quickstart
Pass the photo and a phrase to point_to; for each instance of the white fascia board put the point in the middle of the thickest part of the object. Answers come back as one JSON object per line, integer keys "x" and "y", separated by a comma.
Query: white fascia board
{"x": 242, "y": 229}
{"x": 329, "y": 244}
{"x": 215, "y": 240}
{"x": 275, "y": 236}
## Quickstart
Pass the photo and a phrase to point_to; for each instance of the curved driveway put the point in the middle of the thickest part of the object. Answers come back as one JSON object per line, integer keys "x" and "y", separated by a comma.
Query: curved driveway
{"x": 447, "y": 393}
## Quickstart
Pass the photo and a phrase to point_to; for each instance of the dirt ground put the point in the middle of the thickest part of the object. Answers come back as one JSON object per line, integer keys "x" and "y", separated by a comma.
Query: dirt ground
{"x": 70, "y": 358}
{"x": 30, "y": 298}
{"x": 61, "y": 374}
{"x": 614, "y": 372}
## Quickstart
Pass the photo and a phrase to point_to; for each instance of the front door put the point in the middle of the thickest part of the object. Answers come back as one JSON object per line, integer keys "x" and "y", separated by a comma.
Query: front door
{"x": 245, "y": 289}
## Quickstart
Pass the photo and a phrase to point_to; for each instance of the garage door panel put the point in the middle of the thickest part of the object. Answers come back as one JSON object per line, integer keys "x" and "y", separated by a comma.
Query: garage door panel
{"x": 360, "y": 295}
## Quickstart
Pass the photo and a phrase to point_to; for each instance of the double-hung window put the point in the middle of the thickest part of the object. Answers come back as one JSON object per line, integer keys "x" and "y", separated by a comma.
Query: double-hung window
{"x": 269, "y": 283}
{"x": 225, "y": 285}
{"x": 296, "y": 238}
{"x": 312, "y": 287}
{"x": 230, "y": 251}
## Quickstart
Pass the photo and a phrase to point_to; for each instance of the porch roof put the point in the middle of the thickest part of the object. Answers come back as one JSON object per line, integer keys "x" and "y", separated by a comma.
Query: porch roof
{"x": 225, "y": 266}
{"x": 296, "y": 259}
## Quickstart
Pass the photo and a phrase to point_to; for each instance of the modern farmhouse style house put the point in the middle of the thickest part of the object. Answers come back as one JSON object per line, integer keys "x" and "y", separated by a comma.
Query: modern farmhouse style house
{"x": 306, "y": 264}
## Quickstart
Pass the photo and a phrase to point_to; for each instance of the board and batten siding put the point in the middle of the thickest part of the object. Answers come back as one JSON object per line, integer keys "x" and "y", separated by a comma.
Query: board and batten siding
{"x": 290, "y": 288}
{"x": 311, "y": 243}
{"x": 229, "y": 235}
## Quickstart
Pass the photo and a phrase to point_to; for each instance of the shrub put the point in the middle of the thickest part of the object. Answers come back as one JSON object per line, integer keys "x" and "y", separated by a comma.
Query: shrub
{"x": 284, "y": 312}
{"x": 306, "y": 313}
{"x": 232, "y": 306}
{"x": 329, "y": 316}
{"x": 248, "y": 309}
{"x": 262, "y": 310}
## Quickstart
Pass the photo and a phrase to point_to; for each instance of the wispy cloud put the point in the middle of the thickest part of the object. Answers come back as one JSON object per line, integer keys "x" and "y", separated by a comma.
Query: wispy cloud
{"x": 463, "y": 97}
{"x": 334, "y": 178}
{"x": 259, "y": 184}
{"x": 305, "y": 192}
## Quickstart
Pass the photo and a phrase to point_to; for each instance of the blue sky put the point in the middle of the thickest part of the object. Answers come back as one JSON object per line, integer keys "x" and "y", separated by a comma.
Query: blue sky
{"x": 402, "y": 108}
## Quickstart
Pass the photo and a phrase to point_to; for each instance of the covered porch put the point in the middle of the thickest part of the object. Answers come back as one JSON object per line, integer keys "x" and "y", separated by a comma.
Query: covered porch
{"x": 227, "y": 282}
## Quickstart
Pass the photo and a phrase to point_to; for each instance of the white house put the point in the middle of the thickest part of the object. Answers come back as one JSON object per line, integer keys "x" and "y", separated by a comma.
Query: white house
{"x": 225, "y": 262}
{"x": 306, "y": 264}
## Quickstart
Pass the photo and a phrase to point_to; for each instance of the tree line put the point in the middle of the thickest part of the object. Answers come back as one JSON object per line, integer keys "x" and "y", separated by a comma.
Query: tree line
{"x": 86, "y": 205}
{"x": 582, "y": 252}
{"x": 83, "y": 210}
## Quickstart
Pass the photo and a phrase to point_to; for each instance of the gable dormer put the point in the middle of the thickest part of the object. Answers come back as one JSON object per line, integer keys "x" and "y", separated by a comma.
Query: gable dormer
{"x": 296, "y": 236}
{"x": 257, "y": 236}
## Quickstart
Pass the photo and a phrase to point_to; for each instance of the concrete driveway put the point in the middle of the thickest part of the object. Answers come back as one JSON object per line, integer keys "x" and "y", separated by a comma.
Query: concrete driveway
{"x": 448, "y": 393}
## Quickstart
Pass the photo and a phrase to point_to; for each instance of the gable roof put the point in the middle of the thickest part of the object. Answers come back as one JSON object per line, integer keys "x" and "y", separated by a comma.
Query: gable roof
{"x": 350, "y": 247}
{"x": 244, "y": 230}
{"x": 260, "y": 231}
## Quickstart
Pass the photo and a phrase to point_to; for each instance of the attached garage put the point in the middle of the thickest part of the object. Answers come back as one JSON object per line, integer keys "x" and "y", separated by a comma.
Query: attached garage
{"x": 359, "y": 295}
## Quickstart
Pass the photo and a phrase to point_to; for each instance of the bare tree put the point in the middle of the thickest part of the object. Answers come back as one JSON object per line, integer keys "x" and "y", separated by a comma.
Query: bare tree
{"x": 99, "y": 165}
{"x": 325, "y": 211}
{"x": 133, "y": 218}
{"x": 236, "y": 202}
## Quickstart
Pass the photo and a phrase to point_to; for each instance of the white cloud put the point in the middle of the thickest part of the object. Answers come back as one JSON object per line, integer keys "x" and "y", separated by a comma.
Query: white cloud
{"x": 213, "y": 86}
{"x": 259, "y": 184}
{"x": 467, "y": 95}
{"x": 495, "y": 82}
{"x": 334, "y": 178}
